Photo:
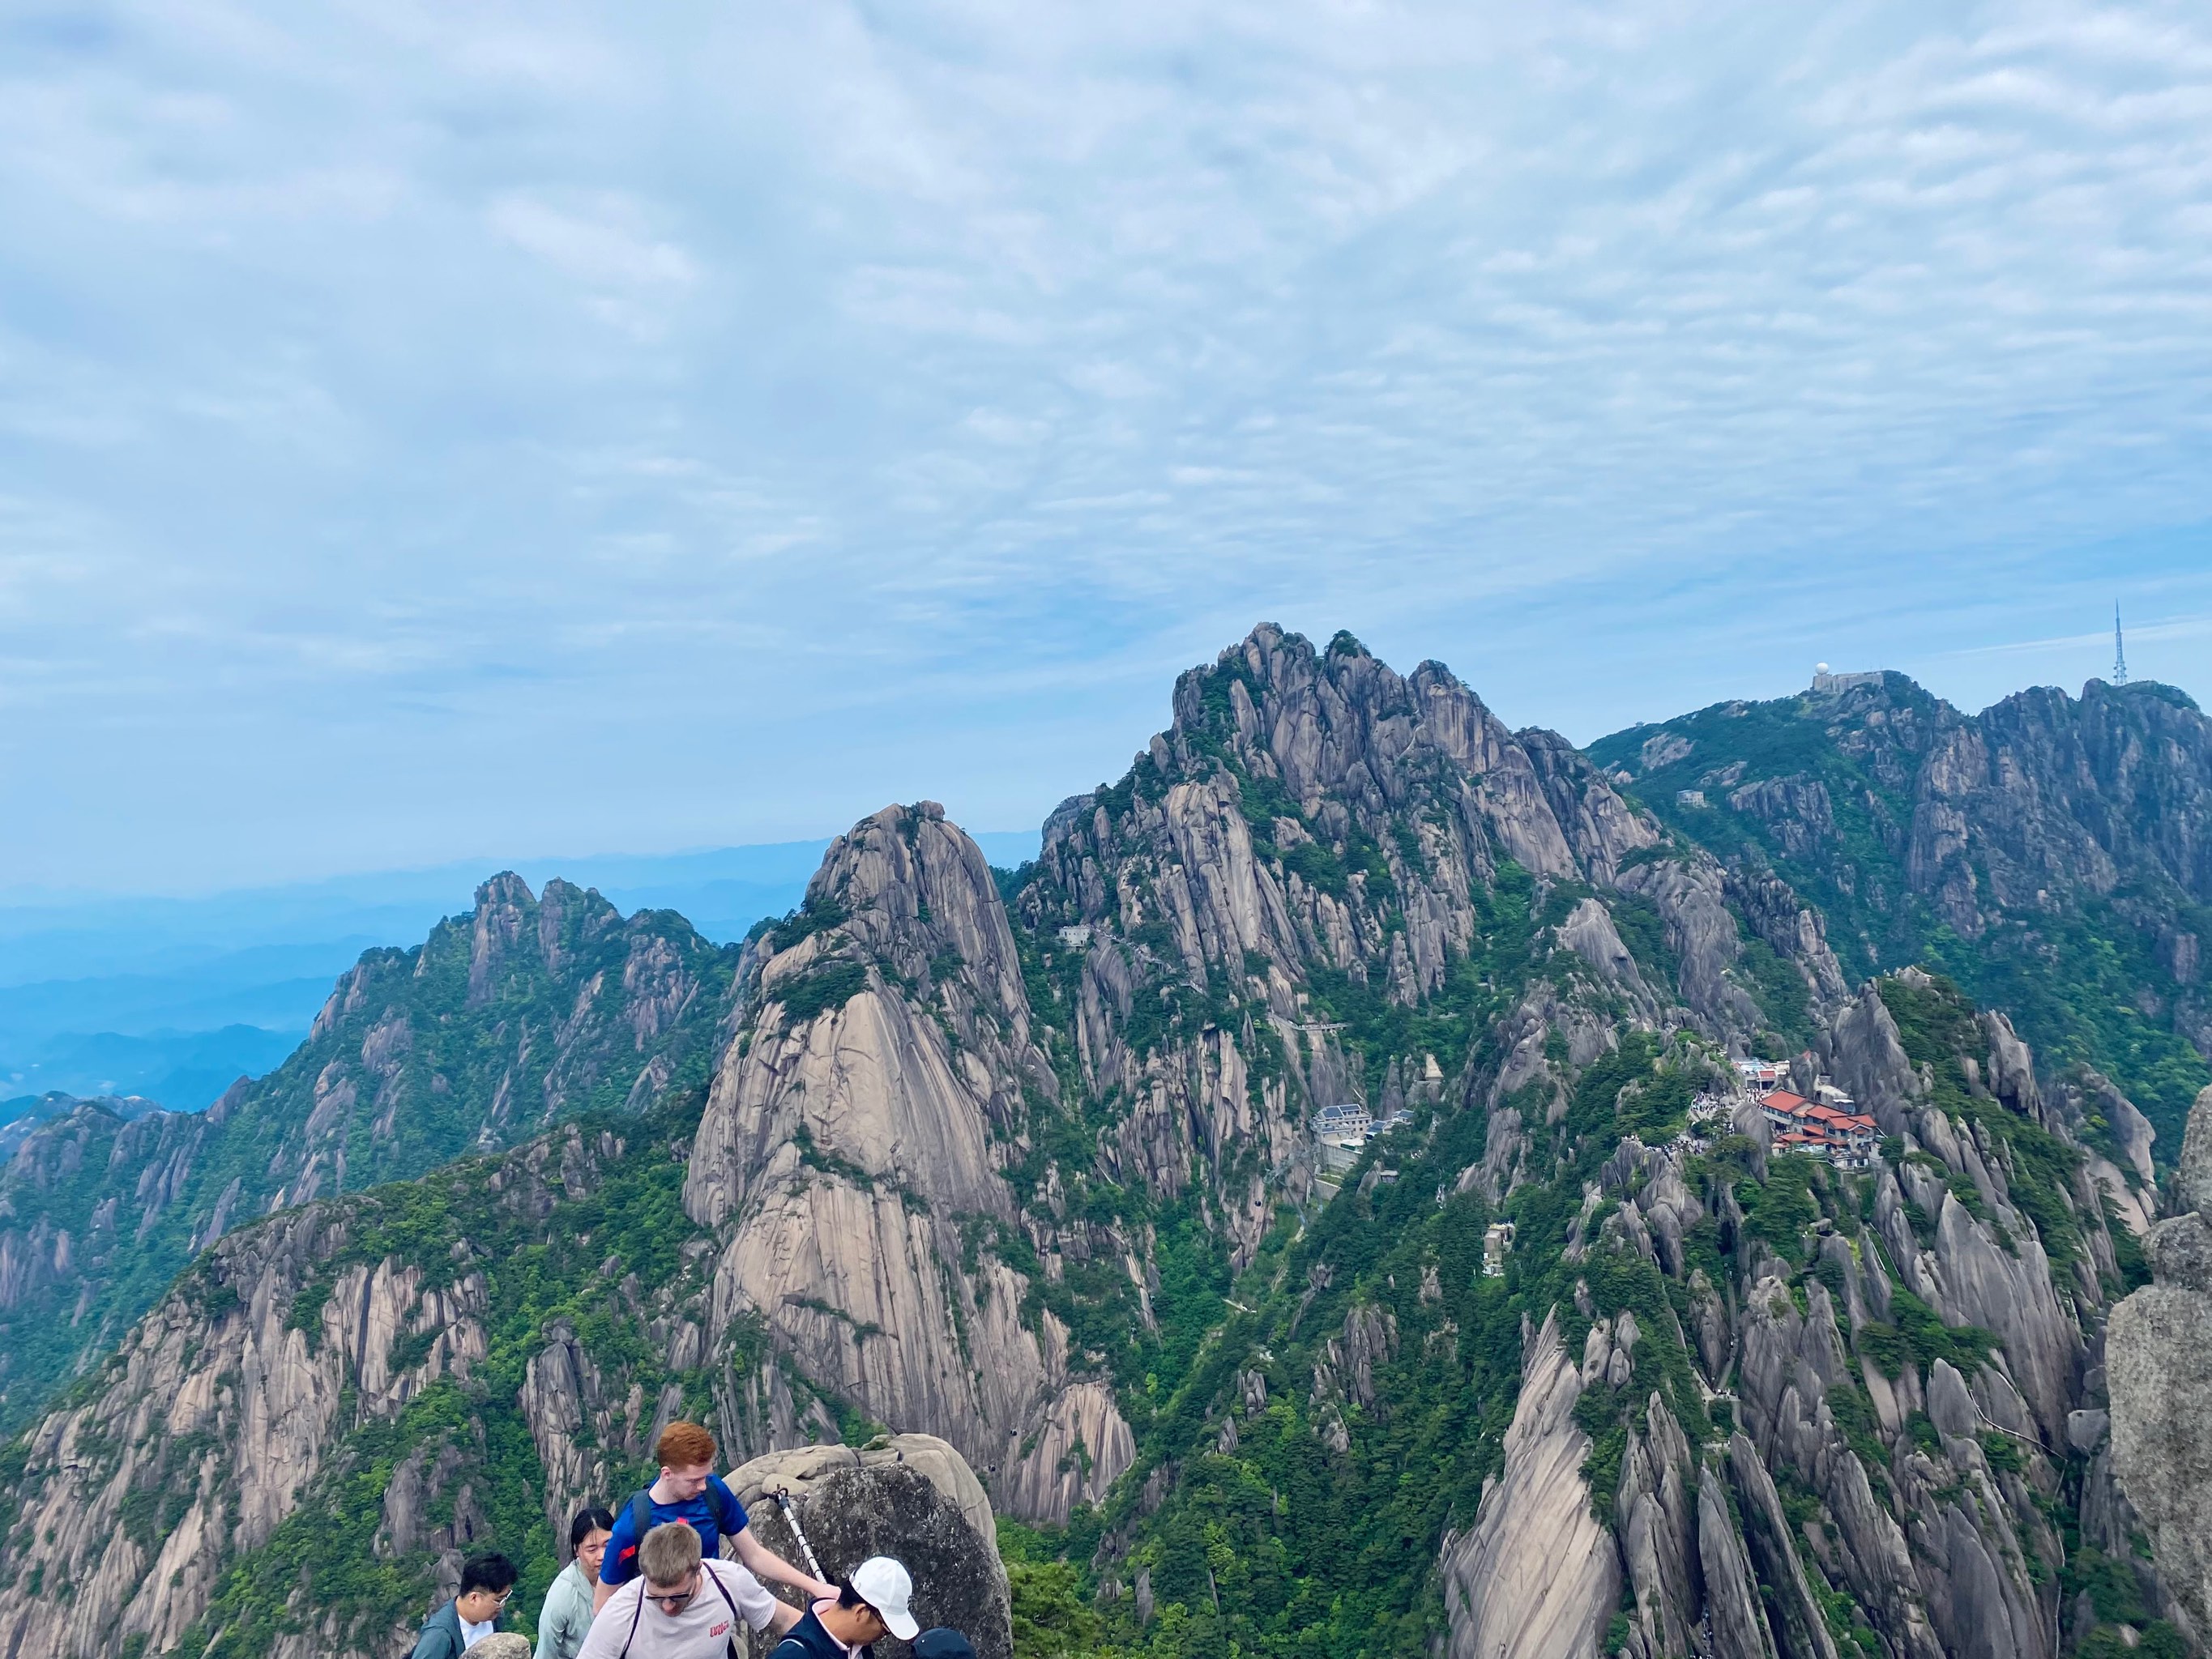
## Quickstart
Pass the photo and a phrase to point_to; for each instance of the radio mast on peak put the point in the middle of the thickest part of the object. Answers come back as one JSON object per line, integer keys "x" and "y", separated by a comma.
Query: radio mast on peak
{"x": 2120, "y": 650}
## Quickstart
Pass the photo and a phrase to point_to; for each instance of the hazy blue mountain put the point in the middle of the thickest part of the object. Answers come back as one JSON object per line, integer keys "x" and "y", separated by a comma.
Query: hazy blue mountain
{"x": 176, "y": 998}
{"x": 185, "y": 1071}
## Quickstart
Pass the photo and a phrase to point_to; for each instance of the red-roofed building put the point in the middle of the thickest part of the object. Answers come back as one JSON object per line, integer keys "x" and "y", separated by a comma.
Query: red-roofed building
{"x": 1845, "y": 1139}
{"x": 1781, "y": 1107}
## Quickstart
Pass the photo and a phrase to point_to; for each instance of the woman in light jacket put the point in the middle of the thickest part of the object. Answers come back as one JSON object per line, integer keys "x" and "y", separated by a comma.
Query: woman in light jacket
{"x": 567, "y": 1612}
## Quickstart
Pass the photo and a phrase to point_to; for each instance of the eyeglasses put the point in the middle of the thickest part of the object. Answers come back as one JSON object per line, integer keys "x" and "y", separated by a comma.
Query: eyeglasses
{"x": 675, "y": 1603}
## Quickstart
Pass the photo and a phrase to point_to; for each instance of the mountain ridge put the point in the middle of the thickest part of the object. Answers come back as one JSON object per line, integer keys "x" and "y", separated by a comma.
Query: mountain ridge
{"x": 1568, "y": 1351}
{"x": 525, "y": 995}
{"x": 2044, "y": 834}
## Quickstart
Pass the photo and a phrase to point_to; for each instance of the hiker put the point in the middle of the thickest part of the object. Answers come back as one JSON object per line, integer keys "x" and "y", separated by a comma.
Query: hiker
{"x": 486, "y": 1582}
{"x": 568, "y": 1611}
{"x": 943, "y": 1644}
{"x": 680, "y": 1605}
{"x": 868, "y": 1605}
{"x": 688, "y": 1489}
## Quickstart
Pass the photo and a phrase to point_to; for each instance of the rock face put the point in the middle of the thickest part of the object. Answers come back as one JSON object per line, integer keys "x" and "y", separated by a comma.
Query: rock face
{"x": 1537, "y": 1577}
{"x": 1924, "y": 1487}
{"x": 2158, "y": 1356}
{"x": 855, "y": 1126}
{"x": 1314, "y": 819}
{"x": 910, "y": 1497}
{"x": 87, "y": 1195}
{"x": 502, "y": 1021}
{"x": 223, "y": 1406}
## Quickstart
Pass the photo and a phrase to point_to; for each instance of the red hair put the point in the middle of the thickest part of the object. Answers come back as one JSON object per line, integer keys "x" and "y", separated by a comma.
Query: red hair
{"x": 685, "y": 1446}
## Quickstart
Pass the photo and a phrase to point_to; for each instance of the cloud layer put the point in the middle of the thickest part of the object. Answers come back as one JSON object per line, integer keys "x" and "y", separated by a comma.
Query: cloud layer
{"x": 430, "y": 431}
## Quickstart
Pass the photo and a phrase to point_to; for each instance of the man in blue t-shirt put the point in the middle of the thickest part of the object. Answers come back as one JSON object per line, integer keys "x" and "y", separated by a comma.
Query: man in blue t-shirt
{"x": 690, "y": 1490}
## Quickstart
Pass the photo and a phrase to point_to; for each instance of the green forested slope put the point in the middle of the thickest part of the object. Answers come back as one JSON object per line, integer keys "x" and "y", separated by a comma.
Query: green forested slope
{"x": 2050, "y": 855}
{"x": 500, "y": 1021}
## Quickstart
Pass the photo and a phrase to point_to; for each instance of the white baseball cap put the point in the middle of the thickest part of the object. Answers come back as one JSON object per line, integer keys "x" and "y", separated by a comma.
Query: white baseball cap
{"x": 884, "y": 1585}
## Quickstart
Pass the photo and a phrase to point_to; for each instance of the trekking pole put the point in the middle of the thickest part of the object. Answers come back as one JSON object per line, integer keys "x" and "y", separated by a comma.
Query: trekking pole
{"x": 783, "y": 1497}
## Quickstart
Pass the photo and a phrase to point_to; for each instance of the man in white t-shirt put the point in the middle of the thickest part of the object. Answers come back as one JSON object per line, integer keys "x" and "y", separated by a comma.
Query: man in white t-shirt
{"x": 680, "y": 1606}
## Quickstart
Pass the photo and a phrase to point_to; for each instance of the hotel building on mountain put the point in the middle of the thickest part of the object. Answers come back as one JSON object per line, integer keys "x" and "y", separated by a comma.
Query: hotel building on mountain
{"x": 1821, "y": 1128}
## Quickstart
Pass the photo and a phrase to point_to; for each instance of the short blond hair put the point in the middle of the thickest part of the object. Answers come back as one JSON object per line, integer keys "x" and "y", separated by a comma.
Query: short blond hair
{"x": 668, "y": 1552}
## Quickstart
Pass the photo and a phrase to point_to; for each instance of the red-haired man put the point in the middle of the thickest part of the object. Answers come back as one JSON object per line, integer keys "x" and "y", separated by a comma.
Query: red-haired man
{"x": 690, "y": 1490}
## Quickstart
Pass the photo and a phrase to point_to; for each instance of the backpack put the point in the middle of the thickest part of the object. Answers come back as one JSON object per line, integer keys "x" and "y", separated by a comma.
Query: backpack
{"x": 736, "y": 1618}
{"x": 640, "y": 1510}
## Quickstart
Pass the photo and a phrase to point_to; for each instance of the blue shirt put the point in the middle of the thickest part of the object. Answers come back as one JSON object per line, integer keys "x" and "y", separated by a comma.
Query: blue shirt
{"x": 714, "y": 1513}
{"x": 809, "y": 1639}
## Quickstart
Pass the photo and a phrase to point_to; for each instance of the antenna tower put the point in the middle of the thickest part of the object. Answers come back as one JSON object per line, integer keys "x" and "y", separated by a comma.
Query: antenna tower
{"x": 2120, "y": 650}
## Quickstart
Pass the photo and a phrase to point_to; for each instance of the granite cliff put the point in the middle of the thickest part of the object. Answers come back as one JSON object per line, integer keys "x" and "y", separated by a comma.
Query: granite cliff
{"x": 2159, "y": 1352}
{"x": 853, "y": 1150}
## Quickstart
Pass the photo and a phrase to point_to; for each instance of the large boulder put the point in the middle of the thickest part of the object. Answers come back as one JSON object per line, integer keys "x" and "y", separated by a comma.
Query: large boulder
{"x": 911, "y": 1496}
{"x": 2158, "y": 1356}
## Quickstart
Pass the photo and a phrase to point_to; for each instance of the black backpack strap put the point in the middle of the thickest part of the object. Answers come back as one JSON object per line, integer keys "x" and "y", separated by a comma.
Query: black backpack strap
{"x": 725, "y": 1501}
{"x": 636, "y": 1613}
{"x": 736, "y": 1618}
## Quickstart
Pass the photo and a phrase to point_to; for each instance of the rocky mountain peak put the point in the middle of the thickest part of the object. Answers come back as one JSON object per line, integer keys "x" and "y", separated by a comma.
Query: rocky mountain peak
{"x": 1333, "y": 725}
{"x": 915, "y": 894}
{"x": 527, "y": 1009}
{"x": 2052, "y": 855}
{"x": 1332, "y": 1187}
{"x": 852, "y": 1153}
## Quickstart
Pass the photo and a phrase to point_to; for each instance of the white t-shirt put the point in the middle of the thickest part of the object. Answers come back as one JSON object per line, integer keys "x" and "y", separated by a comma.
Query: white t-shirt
{"x": 701, "y": 1631}
{"x": 473, "y": 1634}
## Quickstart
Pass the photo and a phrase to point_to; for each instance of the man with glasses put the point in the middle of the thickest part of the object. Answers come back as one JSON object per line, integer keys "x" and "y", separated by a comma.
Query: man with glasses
{"x": 690, "y": 1490}
{"x": 486, "y": 1582}
{"x": 680, "y": 1606}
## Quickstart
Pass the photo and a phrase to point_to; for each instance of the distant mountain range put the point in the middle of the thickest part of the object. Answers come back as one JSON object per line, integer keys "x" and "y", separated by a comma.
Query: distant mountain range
{"x": 175, "y": 998}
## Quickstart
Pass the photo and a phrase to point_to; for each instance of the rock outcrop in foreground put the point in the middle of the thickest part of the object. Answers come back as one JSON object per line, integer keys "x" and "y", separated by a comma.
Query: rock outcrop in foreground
{"x": 2158, "y": 1354}
{"x": 908, "y": 1496}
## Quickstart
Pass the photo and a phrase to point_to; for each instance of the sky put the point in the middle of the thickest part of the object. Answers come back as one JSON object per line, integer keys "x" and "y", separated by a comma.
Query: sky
{"x": 433, "y": 432}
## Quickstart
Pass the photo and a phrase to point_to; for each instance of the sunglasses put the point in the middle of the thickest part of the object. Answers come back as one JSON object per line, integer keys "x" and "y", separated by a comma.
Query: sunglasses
{"x": 677, "y": 1602}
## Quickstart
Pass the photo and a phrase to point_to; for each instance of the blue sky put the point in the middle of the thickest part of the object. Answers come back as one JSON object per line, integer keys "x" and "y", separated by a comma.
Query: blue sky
{"x": 433, "y": 432}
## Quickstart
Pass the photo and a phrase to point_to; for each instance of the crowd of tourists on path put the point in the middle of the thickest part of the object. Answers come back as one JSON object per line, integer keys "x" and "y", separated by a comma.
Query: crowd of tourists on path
{"x": 652, "y": 1583}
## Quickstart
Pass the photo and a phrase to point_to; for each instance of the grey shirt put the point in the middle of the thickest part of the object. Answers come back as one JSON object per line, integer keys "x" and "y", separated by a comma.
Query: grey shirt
{"x": 567, "y": 1616}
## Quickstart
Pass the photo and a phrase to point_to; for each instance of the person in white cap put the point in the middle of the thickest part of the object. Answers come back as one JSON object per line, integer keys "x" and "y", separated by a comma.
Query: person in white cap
{"x": 871, "y": 1604}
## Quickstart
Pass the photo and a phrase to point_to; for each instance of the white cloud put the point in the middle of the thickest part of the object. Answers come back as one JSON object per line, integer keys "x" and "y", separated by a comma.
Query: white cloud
{"x": 601, "y": 243}
{"x": 684, "y": 396}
